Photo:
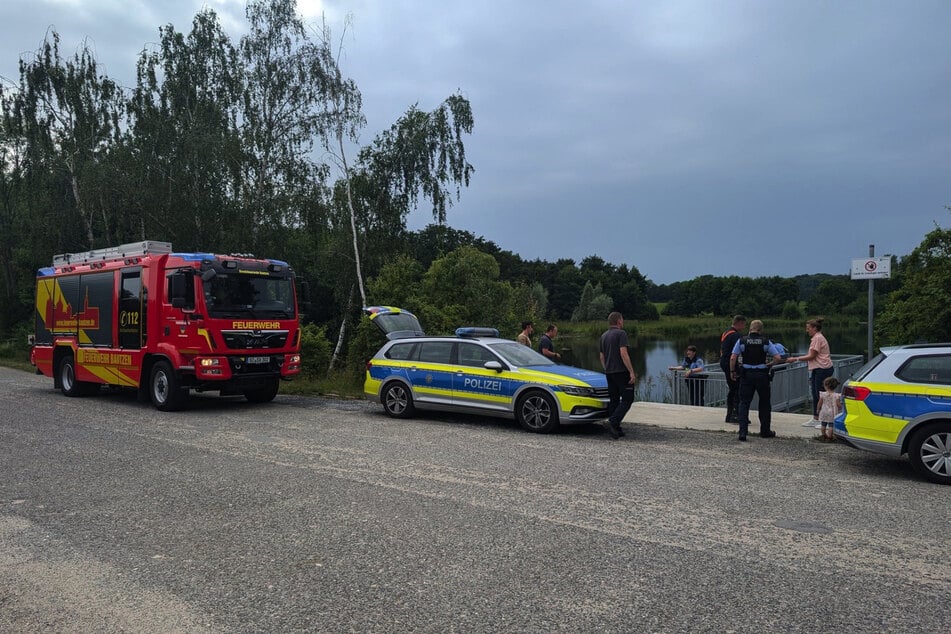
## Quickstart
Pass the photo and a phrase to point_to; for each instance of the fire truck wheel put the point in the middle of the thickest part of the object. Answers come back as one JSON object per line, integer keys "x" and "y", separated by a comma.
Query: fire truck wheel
{"x": 264, "y": 394}
{"x": 68, "y": 383}
{"x": 166, "y": 394}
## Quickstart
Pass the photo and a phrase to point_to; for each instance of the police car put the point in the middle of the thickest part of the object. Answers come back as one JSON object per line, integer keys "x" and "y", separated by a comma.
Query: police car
{"x": 900, "y": 403}
{"x": 476, "y": 372}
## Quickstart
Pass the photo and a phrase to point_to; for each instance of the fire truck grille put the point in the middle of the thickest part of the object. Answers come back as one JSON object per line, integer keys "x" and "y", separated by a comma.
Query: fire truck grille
{"x": 248, "y": 340}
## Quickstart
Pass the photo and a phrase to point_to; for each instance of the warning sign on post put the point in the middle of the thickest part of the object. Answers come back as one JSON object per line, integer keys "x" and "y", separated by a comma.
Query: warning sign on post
{"x": 872, "y": 268}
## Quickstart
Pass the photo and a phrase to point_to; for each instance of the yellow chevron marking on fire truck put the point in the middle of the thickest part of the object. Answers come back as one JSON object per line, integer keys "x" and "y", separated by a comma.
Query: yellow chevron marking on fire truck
{"x": 204, "y": 333}
{"x": 44, "y": 298}
{"x": 110, "y": 375}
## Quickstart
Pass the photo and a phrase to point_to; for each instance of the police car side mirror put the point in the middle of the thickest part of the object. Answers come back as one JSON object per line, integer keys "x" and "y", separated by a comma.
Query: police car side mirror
{"x": 493, "y": 365}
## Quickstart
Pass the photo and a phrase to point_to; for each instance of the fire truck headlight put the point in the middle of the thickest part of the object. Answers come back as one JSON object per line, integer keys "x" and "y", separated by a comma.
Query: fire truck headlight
{"x": 295, "y": 358}
{"x": 208, "y": 363}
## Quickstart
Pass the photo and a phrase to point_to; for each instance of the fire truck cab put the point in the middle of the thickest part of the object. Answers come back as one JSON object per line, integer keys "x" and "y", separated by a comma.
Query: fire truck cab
{"x": 140, "y": 316}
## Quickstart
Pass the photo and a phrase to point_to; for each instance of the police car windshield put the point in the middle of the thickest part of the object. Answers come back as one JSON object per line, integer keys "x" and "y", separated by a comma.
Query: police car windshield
{"x": 519, "y": 355}
{"x": 237, "y": 295}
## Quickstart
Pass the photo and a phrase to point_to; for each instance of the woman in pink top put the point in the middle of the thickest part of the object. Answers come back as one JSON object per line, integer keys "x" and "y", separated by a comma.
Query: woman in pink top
{"x": 819, "y": 361}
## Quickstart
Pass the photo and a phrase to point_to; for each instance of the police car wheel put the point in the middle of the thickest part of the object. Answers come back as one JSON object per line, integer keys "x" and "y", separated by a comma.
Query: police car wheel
{"x": 397, "y": 400}
{"x": 930, "y": 452}
{"x": 536, "y": 412}
{"x": 166, "y": 394}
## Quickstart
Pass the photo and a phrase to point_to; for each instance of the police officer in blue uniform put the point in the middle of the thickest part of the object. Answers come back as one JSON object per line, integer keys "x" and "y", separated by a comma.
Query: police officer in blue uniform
{"x": 753, "y": 374}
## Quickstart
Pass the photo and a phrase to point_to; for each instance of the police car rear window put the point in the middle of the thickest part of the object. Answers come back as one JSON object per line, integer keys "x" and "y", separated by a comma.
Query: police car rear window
{"x": 401, "y": 352}
{"x": 927, "y": 369}
{"x": 436, "y": 352}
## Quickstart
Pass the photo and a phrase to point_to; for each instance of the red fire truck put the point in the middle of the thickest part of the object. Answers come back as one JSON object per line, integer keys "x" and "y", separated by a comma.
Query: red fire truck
{"x": 140, "y": 316}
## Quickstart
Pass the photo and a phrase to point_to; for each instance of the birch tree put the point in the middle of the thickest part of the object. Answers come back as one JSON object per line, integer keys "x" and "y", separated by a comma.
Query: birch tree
{"x": 68, "y": 113}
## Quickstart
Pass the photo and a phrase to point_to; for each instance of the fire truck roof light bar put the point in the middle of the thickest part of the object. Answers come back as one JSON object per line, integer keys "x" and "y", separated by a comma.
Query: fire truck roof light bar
{"x": 146, "y": 247}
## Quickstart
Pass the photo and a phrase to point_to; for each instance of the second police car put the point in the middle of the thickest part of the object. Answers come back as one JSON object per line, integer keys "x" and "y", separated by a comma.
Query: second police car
{"x": 476, "y": 372}
{"x": 900, "y": 403}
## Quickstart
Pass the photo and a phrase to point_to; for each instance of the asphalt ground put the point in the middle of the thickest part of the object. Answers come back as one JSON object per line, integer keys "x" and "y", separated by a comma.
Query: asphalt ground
{"x": 316, "y": 515}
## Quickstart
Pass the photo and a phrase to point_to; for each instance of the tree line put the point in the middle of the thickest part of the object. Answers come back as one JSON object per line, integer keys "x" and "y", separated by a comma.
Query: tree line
{"x": 248, "y": 146}
{"x": 254, "y": 146}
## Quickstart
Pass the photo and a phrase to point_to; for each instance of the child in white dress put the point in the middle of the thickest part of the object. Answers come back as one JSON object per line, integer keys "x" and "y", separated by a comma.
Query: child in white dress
{"x": 830, "y": 405}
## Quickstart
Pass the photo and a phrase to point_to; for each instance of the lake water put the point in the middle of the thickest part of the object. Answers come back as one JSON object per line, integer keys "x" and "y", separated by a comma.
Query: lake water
{"x": 652, "y": 357}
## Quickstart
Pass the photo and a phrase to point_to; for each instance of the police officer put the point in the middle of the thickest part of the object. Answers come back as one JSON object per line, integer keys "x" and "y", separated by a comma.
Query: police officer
{"x": 756, "y": 349}
{"x": 727, "y": 342}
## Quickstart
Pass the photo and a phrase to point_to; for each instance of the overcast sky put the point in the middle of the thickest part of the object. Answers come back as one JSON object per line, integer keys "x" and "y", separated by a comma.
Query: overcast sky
{"x": 683, "y": 138}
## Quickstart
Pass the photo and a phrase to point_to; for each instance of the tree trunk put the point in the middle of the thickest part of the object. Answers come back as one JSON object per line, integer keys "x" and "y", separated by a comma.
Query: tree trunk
{"x": 74, "y": 182}
{"x": 343, "y": 331}
{"x": 353, "y": 222}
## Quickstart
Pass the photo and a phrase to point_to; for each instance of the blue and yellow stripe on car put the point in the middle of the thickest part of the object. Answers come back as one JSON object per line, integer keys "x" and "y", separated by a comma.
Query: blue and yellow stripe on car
{"x": 466, "y": 385}
{"x": 889, "y": 408}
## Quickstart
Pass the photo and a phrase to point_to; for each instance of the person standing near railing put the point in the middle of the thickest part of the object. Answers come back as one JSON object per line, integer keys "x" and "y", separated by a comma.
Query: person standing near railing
{"x": 727, "y": 341}
{"x": 818, "y": 361}
{"x": 694, "y": 375}
{"x": 753, "y": 374}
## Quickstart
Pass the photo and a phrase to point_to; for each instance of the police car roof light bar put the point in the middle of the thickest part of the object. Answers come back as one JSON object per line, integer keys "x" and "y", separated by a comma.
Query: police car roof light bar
{"x": 471, "y": 331}
{"x": 146, "y": 247}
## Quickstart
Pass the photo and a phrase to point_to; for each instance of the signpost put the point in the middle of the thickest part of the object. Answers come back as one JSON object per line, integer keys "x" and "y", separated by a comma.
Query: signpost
{"x": 871, "y": 269}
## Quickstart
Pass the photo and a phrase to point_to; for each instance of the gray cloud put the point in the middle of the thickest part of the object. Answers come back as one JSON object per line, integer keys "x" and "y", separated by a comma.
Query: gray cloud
{"x": 683, "y": 138}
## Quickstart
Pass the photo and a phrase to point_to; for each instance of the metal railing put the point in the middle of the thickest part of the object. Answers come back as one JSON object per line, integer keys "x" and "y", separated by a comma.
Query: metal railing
{"x": 790, "y": 386}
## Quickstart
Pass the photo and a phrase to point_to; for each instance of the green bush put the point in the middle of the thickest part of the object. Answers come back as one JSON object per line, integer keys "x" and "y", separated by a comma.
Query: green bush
{"x": 791, "y": 310}
{"x": 315, "y": 351}
{"x": 17, "y": 347}
{"x": 7, "y": 350}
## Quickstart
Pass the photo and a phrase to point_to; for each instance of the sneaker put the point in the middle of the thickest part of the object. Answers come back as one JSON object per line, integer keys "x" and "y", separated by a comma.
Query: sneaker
{"x": 613, "y": 430}
{"x": 812, "y": 423}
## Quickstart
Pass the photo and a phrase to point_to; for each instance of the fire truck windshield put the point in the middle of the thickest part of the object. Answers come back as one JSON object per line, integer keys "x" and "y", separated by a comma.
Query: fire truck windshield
{"x": 240, "y": 295}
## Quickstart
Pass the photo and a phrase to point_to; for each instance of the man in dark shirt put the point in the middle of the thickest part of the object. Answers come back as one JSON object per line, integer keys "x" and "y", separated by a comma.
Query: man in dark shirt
{"x": 545, "y": 345}
{"x": 727, "y": 341}
{"x": 620, "y": 373}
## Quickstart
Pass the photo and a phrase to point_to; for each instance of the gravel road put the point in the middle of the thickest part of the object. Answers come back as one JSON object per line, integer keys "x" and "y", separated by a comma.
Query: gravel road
{"x": 309, "y": 514}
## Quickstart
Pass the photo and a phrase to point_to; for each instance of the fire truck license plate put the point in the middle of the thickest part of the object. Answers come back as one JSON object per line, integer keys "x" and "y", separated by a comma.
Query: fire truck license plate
{"x": 264, "y": 359}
